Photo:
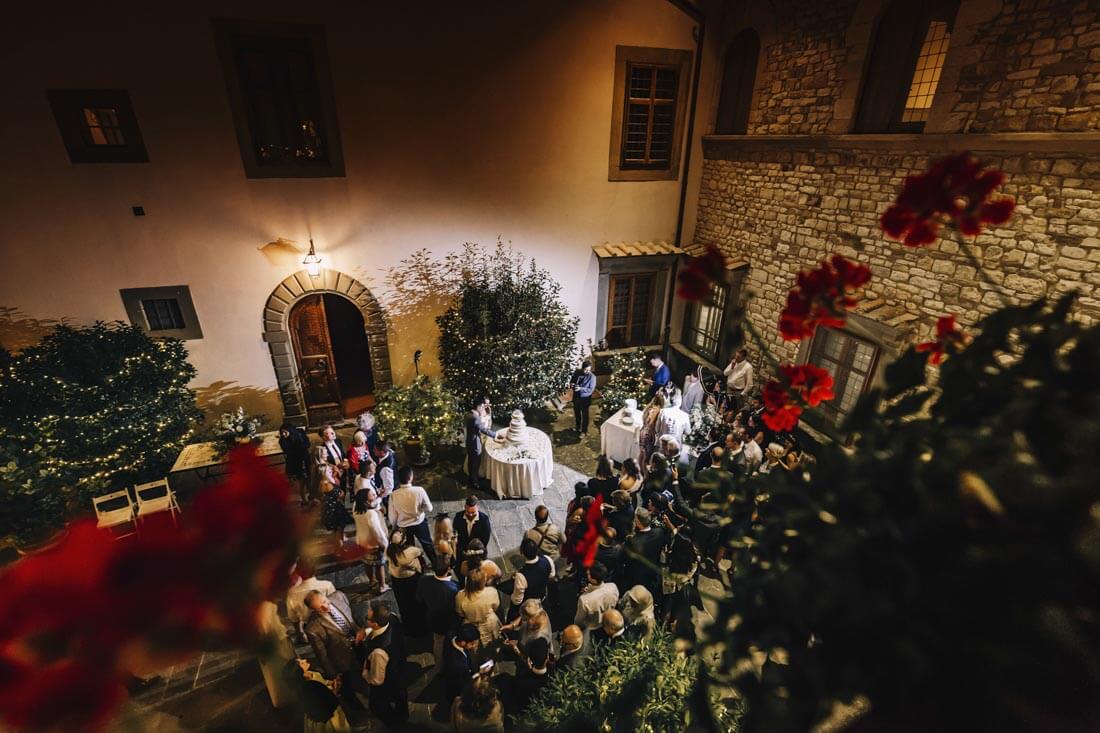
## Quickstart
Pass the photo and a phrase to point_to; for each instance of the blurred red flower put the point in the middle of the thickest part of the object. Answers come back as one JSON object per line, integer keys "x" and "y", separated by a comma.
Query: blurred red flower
{"x": 78, "y": 619}
{"x": 954, "y": 189}
{"x": 780, "y": 414}
{"x": 583, "y": 551}
{"x": 822, "y": 297}
{"x": 798, "y": 386}
{"x": 699, "y": 275}
{"x": 948, "y": 339}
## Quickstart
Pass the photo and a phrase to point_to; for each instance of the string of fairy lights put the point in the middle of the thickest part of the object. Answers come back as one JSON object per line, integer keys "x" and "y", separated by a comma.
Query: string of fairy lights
{"x": 89, "y": 426}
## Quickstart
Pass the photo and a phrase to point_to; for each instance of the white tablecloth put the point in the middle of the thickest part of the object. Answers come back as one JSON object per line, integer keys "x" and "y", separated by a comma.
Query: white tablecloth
{"x": 514, "y": 477}
{"x": 617, "y": 441}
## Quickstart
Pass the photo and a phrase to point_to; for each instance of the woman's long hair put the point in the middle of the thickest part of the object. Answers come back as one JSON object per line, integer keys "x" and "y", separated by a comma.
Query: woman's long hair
{"x": 395, "y": 547}
{"x": 475, "y": 582}
{"x": 479, "y": 699}
{"x": 316, "y": 700}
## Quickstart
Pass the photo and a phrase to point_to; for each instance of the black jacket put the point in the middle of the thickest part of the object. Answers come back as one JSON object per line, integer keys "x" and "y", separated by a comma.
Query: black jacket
{"x": 458, "y": 669}
{"x": 295, "y": 448}
{"x": 648, "y": 545}
{"x": 481, "y": 531}
{"x": 438, "y": 597}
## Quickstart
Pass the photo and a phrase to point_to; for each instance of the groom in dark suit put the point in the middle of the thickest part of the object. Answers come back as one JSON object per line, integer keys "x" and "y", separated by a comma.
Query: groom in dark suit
{"x": 471, "y": 524}
{"x": 474, "y": 431}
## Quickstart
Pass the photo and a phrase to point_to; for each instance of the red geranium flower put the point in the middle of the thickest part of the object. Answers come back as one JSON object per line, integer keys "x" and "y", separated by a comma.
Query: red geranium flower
{"x": 813, "y": 384}
{"x": 798, "y": 386}
{"x": 699, "y": 275}
{"x": 822, "y": 297}
{"x": 80, "y": 617}
{"x": 954, "y": 189}
{"x": 780, "y": 414}
{"x": 583, "y": 551}
{"x": 948, "y": 338}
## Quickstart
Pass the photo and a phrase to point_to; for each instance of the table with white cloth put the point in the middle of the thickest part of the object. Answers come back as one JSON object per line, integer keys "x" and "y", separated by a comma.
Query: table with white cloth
{"x": 202, "y": 463}
{"x": 619, "y": 441}
{"x": 518, "y": 471}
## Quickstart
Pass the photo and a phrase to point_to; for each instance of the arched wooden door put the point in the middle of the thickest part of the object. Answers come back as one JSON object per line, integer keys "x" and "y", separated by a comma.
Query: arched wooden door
{"x": 316, "y": 365}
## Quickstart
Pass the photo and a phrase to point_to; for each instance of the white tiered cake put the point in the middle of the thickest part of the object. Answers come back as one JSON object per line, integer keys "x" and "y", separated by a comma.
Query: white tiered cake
{"x": 517, "y": 428}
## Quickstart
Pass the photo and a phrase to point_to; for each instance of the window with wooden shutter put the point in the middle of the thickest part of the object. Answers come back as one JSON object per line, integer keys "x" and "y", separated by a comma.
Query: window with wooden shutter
{"x": 630, "y": 302}
{"x": 97, "y": 125}
{"x": 851, "y": 360}
{"x": 648, "y": 111}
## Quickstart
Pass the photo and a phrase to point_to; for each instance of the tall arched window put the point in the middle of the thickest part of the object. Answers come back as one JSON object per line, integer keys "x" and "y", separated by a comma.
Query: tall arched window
{"x": 906, "y": 60}
{"x": 738, "y": 80}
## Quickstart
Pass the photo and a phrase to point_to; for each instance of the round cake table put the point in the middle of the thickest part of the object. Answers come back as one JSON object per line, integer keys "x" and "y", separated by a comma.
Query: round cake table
{"x": 519, "y": 472}
{"x": 618, "y": 441}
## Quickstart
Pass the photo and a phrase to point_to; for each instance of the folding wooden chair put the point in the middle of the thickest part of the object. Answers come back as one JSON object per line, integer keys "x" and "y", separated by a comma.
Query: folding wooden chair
{"x": 115, "y": 509}
{"x": 155, "y": 496}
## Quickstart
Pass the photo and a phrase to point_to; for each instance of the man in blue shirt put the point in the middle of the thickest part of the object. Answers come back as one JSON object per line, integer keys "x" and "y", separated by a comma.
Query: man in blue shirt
{"x": 583, "y": 385}
{"x": 660, "y": 377}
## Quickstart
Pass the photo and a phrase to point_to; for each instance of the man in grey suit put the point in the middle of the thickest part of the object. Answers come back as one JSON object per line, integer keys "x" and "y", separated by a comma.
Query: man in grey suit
{"x": 337, "y": 642}
{"x": 474, "y": 430}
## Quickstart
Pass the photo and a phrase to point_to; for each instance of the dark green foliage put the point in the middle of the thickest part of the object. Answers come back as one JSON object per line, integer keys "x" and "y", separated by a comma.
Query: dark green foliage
{"x": 628, "y": 372}
{"x": 86, "y": 410}
{"x": 634, "y": 686}
{"x": 948, "y": 569}
{"x": 508, "y": 335}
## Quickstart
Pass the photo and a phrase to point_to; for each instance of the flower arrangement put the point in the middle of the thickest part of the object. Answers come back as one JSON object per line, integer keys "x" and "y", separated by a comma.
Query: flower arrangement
{"x": 237, "y": 427}
{"x": 704, "y": 419}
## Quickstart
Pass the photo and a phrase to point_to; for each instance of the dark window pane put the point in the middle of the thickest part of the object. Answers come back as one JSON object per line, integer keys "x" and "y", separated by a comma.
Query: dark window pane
{"x": 162, "y": 314}
{"x": 649, "y": 117}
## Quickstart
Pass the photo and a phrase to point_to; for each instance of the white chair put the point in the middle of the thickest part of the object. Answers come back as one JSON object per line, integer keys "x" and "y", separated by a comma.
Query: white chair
{"x": 155, "y": 496}
{"x": 114, "y": 509}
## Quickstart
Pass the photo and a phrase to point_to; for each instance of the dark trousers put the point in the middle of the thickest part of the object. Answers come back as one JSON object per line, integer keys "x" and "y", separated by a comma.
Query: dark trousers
{"x": 422, "y": 533}
{"x": 473, "y": 462}
{"x": 580, "y": 413}
{"x": 391, "y": 704}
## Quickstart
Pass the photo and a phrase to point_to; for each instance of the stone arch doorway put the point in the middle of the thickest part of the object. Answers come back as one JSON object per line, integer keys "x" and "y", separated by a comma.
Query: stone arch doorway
{"x": 309, "y": 357}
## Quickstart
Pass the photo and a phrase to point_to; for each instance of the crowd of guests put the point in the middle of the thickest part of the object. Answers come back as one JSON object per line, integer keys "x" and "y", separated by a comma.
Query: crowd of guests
{"x": 656, "y": 537}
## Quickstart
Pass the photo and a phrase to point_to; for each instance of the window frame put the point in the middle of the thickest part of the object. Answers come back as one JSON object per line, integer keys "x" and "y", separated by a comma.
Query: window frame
{"x": 690, "y": 325}
{"x": 833, "y": 416}
{"x": 226, "y": 32}
{"x": 68, "y": 107}
{"x": 892, "y": 62}
{"x": 651, "y": 276}
{"x": 625, "y": 57}
{"x": 133, "y": 300}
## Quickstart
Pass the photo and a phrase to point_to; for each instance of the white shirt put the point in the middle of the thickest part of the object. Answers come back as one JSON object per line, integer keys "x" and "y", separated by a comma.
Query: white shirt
{"x": 592, "y": 604}
{"x": 675, "y": 422}
{"x": 520, "y": 579}
{"x": 375, "y": 672}
{"x": 386, "y": 477}
{"x": 739, "y": 377}
{"x": 408, "y": 506}
{"x": 754, "y": 456}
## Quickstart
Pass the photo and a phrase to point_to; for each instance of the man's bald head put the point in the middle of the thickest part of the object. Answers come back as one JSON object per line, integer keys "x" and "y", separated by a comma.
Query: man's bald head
{"x": 572, "y": 637}
{"x": 612, "y": 621}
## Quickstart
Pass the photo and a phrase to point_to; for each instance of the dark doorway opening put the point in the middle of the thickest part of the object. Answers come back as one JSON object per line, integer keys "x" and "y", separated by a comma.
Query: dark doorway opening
{"x": 351, "y": 354}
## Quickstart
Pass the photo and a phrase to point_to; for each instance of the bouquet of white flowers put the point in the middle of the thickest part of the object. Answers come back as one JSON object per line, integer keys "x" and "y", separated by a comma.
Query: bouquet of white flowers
{"x": 237, "y": 427}
{"x": 704, "y": 418}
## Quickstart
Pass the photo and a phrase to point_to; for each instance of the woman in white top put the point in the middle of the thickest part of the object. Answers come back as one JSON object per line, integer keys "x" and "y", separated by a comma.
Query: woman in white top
{"x": 406, "y": 563}
{"x": 477, "y": 604}
{"x": 370, "y": 534}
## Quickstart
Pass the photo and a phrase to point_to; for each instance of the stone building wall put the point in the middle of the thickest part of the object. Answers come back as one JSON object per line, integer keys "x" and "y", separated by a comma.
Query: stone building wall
{"x": 785, "y": 211}
{"x": 799, "y": 80}
{"x": 1015, "y": 68}
{"x": 1037, "y": 68}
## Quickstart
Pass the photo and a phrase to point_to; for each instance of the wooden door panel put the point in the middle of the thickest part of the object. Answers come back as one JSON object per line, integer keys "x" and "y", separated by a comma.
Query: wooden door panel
{"x": 313, "y": 349}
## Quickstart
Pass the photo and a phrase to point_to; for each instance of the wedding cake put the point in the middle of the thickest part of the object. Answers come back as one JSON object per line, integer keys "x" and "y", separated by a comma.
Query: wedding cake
{"x": 517, "y": 428}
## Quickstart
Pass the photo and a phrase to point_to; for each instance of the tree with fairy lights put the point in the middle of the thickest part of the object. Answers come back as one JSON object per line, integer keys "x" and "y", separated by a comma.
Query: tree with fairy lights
{"x": 507, "y": 335}
{"x": 627, "y": 382}
{"x": 84, "y": 411}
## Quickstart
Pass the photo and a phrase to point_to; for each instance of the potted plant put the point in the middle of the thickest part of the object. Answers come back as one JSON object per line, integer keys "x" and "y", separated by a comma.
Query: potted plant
{"x": 420, "y": 415}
